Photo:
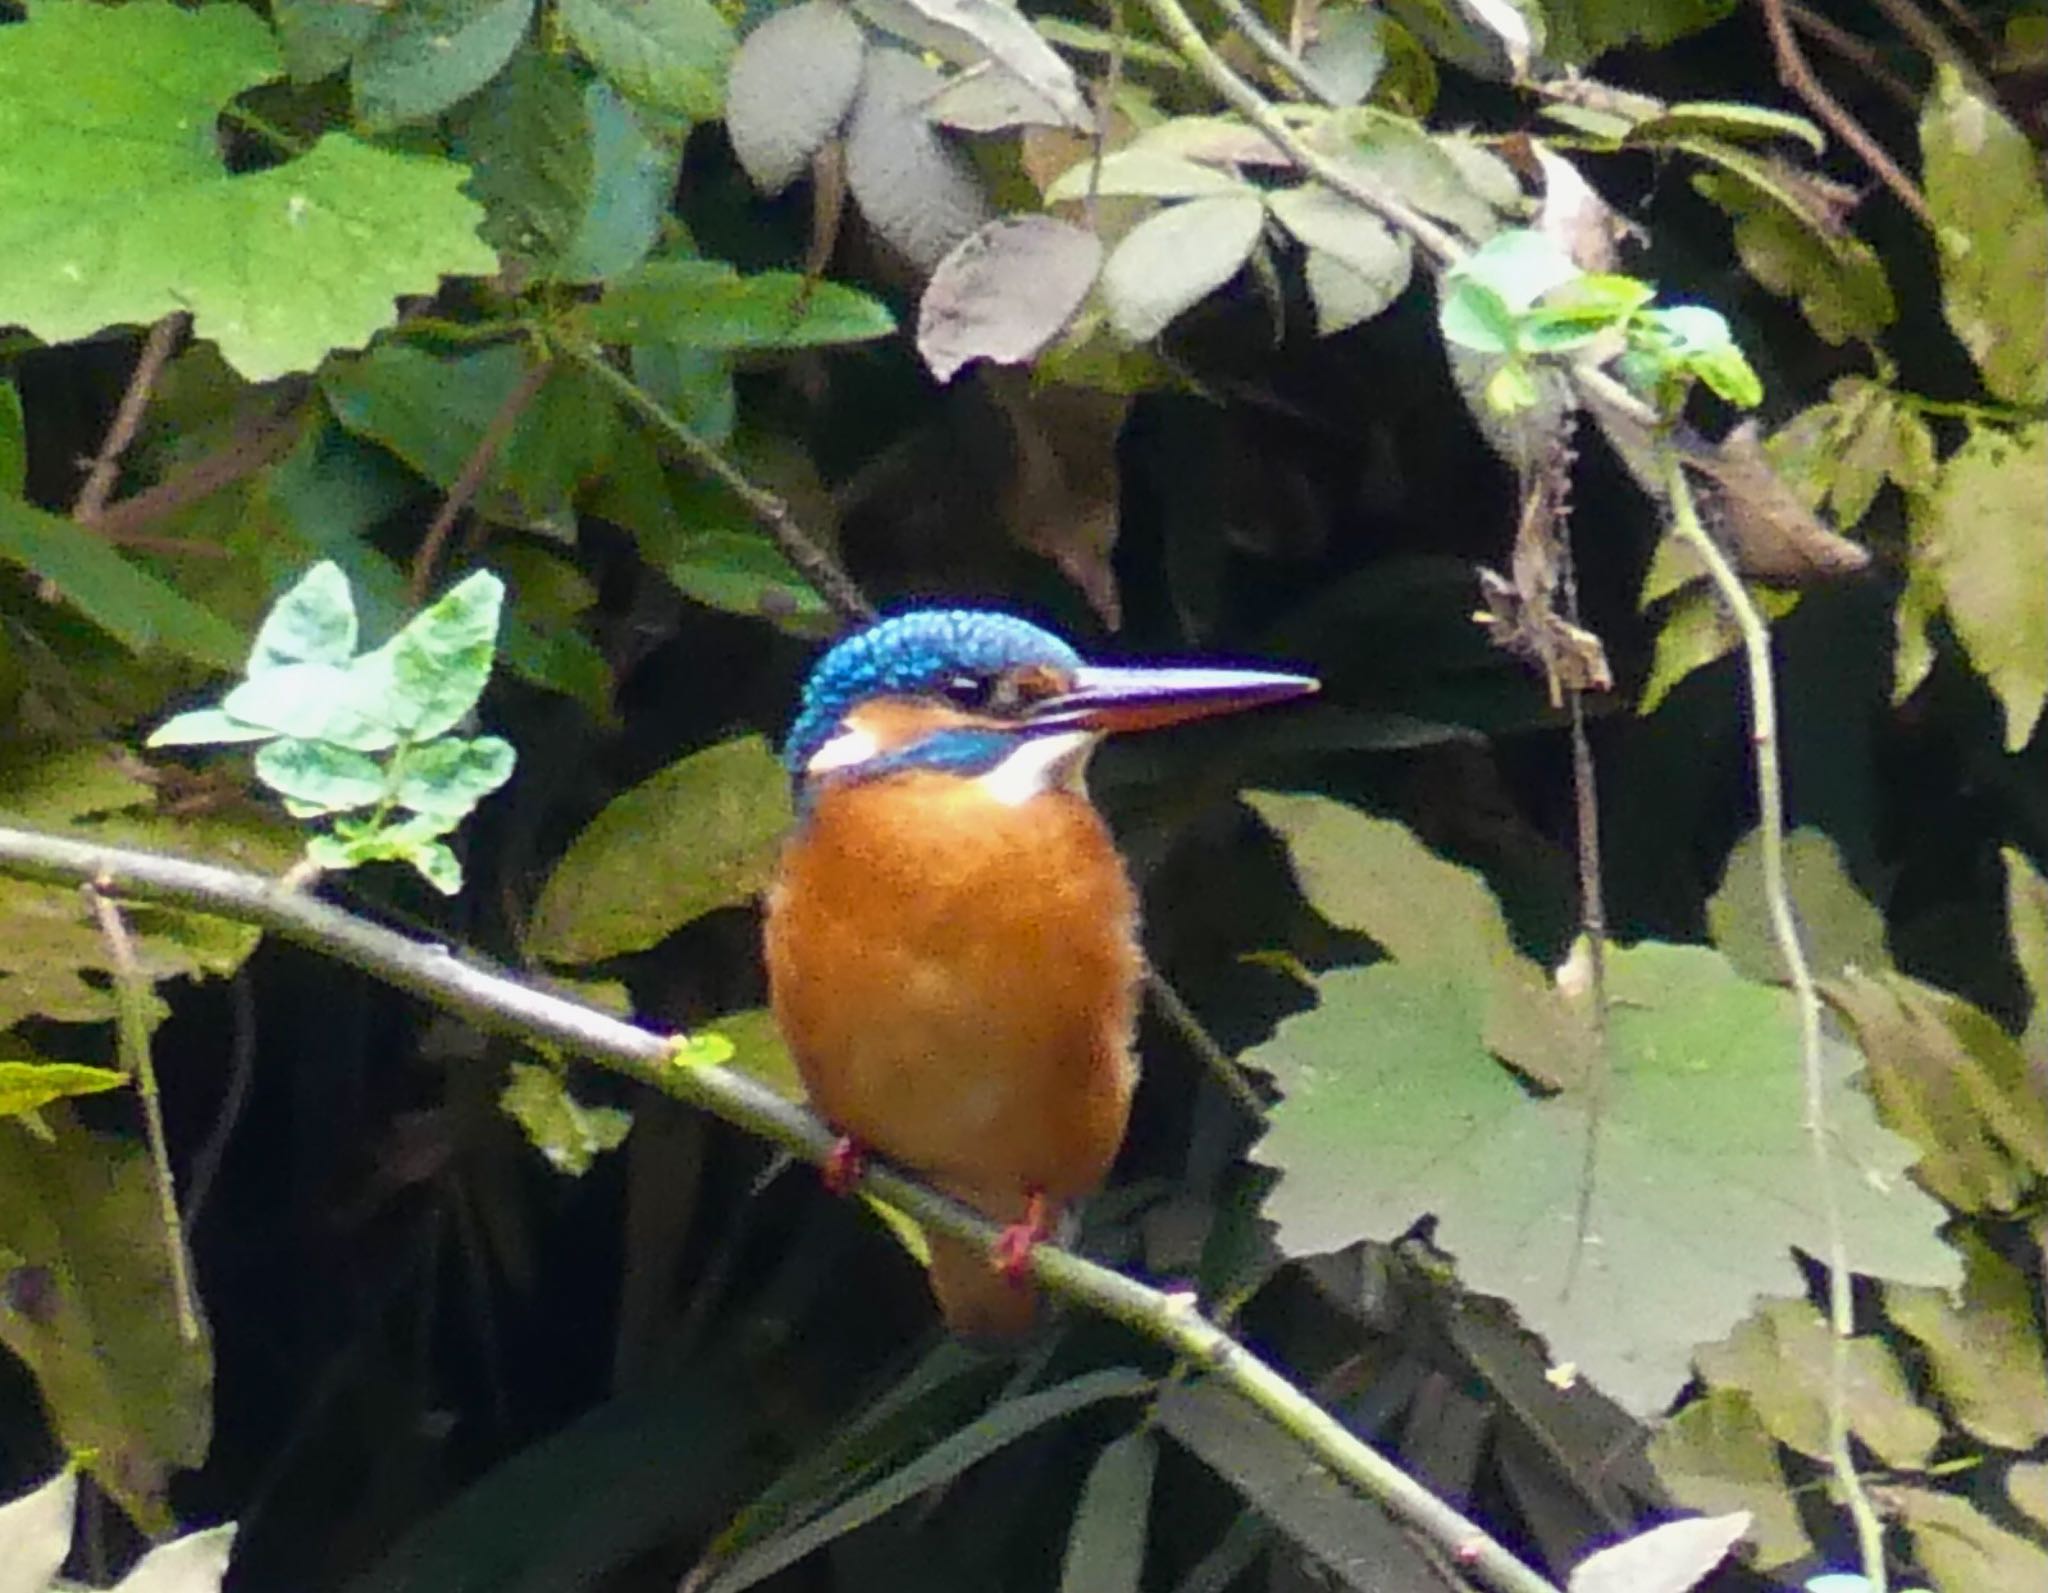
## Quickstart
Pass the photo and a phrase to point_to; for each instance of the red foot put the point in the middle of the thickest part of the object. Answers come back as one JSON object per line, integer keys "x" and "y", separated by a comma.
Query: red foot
{"x": 846, "y": 1165}
{"x": 1013, "y": 1247}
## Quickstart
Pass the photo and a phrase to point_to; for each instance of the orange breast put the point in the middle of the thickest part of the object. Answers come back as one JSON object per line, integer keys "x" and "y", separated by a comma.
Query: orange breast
{"x": 957, "y": 981}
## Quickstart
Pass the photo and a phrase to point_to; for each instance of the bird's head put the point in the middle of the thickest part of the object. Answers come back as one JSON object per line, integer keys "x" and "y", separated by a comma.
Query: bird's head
{"x": 990, "y": 697}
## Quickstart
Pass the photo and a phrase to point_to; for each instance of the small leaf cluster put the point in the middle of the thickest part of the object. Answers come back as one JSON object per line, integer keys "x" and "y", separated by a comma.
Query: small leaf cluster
{"x": 1521, "y": 299}
{"x": 364, "y": 739}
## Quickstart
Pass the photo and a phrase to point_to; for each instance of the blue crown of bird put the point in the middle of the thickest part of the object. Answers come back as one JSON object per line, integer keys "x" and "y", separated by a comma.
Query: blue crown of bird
{"x": 951, "y": 937}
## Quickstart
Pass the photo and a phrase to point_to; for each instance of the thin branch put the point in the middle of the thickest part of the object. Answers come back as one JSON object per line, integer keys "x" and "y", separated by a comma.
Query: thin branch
{"x": 106, "y": 464}
{"x": 497, "y": 1003}
{"x": 131, "y": 1041}
{"x": 803, "y": 550}
{"x": 1770, "y": 792}
{"x": 1858, "y": 52}
{"x": 248, "y": 451}
{"x": 1184, "y": 36}
{"x": 1927, "y": 36}
{"x": 470, "y": 480}
{"x": 1222, "y": 1066}
{"x": 205, "y": 1165}
{"x": 1275, "y": 50}
{"x": 1798, "y": 76}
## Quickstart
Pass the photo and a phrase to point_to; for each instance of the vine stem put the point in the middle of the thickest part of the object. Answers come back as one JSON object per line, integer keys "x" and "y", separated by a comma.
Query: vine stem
{"x": 496, "y": 1002}
{"x": 1770, "y": 792}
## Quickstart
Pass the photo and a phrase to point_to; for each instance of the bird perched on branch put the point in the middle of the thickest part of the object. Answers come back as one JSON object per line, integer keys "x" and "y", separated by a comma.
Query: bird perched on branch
{"x": 951, "y": 936}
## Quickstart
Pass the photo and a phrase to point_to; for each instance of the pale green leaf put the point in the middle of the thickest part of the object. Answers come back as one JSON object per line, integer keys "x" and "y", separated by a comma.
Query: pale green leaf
{"x": 1143, "y": 173}
{"x": 441, "y": 661}
{"x": 1696, "y": 630}
{"x": 702, "y": 834}
{"x": 1394, "y": 1110}
{"x": 1982, "y": 1346}
{"x": 1839, "y": 927}
{"x": 1979, "y": 534}
{"x": 196, "y": 1562}
{"x": 25, "y": 1086}
{"x": 35, "y": 1534}
{"x": 319, "y": 702}
{"x": 706, "y": 304}
{"x": 1171, "y": 261}
{"x": 2026, "y": 917}
{"x": 1345, "y": 297}
{"x": 115, "y": 207}
{"x": 1983, "y": 184}
{"x": 450, "y": 776}
{"x": 1960, "y": 1547}
{"x": 103, "y": 1344}
{"x": 314, "y": 622}
{"x": 1106, "y": 1543}
{"x": 569, "y": 1134}
{"x": 1347, "y": 51}
{"x": 1520, "y": 266}
{"x": 670, "y": 53}
{"x": 1336, "y": 229}
{"x": 1672, "y": 1558}
{"x": 424, "y": 55}
{"x": 1728, "y": 119}
{"x": 319, "y": 777}
{"x": 1010, "y": 41}
{"x": 1716, "y": 1456}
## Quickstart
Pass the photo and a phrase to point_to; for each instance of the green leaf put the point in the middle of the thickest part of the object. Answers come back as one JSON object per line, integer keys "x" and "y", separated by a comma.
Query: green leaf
{"x": 102, "y": 1339}
{"x": 319, "y": 777}
{"x": 1106, "y": 1543}
{"x": 115, "y": 208}
{"x": 1394, "y": 1110}
{"x": 1520, "y": 265}
{"x": 1797, "y": 250}
{"x": 13, "y": 442}
{"x": 320, "y": 37}
{"x": 1728, "y": 119}
{"x": 567, "y": 1133}
{"x": 1390, "y": 153}
{"x": 450, "y": 776}
{"x": 1473, "y": 316}
{"x": 440, "y": 662}
{"x": 1334, "y": 229}
{"x": 1715, "y": 1455}
{"x": 134, "y": 607}
{"x": 1946, "y": 1076}
{"x": 1839, "y": 927}
{"x": 1782, "y": 1357}
{"x": 1958, "y": 1546}
{"x": 1144, "y": 173}
{"x": 670, "y": 53}
{"x": 35, "y": 1531}
{"x": 1697, "y": 630}
{"x": 25, "y": 1086}
{"x": 1991, "y": 215}
{"x": 740, "y": 571}
{"x": 702, "y": 834}
{"x": 314, "y": 622}
{"x": 1002, "y": 1426}
{"x": 424, "y": 55}
{"x": 1579, "y": 30}
{"x": 1978, "y": 534}
{"x": 706, "y": 304}
{"x": 2026, "y": 917}
{"x": 1983, "y": 1346}
{"x": 317, "y": 702}
{"x": 1173, "y": 260}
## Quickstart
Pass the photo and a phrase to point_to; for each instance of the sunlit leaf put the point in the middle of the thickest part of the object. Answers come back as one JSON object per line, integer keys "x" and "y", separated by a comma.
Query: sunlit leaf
{"x": 1985, "y": 1351}
{"x": 25, "y": 1086}
{"x": 1715, "y": 1456}
{"x": 318, "y": 776}
{"x": 672, "y": 54}
{"x": 1171, "y": 261}
{"x": 569, "y": 1134}
{"x": 35, "y": 1534}
{"x": 1671, "y": 1558}
{"x": 450, "y": 776}
{"x": 424, "y": 55}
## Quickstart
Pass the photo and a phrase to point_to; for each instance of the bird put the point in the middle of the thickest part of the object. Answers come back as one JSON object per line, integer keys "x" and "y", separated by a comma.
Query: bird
{"x": 951, "y": 936}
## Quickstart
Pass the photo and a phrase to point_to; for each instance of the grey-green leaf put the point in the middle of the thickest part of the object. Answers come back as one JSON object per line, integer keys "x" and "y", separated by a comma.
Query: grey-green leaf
{"x": 672, "y": 54}
{"x": 793, "y": 81}
{"x": 918, "y": 191}
{"x": 1174, "y": 260}
{"x": 1106, "y": 1544}
{"x": 424, "y": 55}
{"x": 1005, "y": 292}
{"x": 314, "y": 622}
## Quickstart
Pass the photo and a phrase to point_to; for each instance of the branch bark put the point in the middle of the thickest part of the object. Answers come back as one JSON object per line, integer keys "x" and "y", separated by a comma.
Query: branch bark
{"x": 497, "y": 1003}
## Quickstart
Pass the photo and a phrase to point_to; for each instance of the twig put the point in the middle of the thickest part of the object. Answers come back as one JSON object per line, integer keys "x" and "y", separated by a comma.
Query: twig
{"x": 1927, "y": 35}
{"x": 803, "y": 551}
{"x": 499, "y": 1004}
{"x": 1770, "y": 791}
{"x": 205, "y": 1166}
{"x": 106, "y": 464}
{"x": 1185, "y": 37}
{"x": 131, "y": 1040}
{"x": 1222, "y": 1066}
{"x": 1276, "y": 51}
{"x": 1855, "y": 50}
{"x": 470, "y": 479}
{"x": 247, "y": 452}
{"x": 1797, "y": 75}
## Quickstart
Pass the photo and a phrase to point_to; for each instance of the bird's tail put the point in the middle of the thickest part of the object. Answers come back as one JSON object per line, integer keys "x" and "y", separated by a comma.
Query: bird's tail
{"x": 977, "y": 1300}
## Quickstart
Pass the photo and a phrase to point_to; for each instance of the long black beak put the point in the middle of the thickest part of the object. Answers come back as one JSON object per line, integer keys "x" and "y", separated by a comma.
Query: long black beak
{"x": 1105, "y": 698}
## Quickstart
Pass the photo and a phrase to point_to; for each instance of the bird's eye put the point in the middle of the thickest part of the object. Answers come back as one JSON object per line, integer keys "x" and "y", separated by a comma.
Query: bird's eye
{"x": 968, "y": 691}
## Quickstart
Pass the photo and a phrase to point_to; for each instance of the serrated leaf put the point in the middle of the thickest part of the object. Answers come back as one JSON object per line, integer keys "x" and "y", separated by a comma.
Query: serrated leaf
{"x": 669, "y": 53}
{"x": 424, "y": 55}
{"x": 1171, "y": 261}
{"x": 1715, "y": 1455}
{"x": 1946, "y": 1076}
{"x": 1672, "y": 1558}
{"x": 450, "y": 776}
{"x": 1143, "y": 174}
{"x": 793, "y": 81}
{"x": 114, "y": 209}
{"x": 25, "y": 1086}
{"x": 131, "y": 605}
{"x": 567, "y": 1133}
{"x": 1991, "y": 218}
{"x": 702, "y": 834}
{"x": 915, "y": 189}
{"x": 1978, "y": 533}
{"x": 1985, "y": 1351}
{"x": 35, "y": 1534}
{"x": 706, "y": 304}
{"x": 1004, "y": 292}
{"x": 1838, "y": 926}
{"x": 1782, "y": 1358}
{"x": 1394, "y": 1110}
{"x": 318, "y": 776}
{"x": 102, "y": 1339}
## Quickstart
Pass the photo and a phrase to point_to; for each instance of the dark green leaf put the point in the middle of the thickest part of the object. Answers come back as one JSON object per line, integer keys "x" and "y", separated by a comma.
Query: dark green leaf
{"x": 1716, "y": 1456}
{"x": 1726, "y": 119}
{"x": 1984, "y": 1346}
{"x": 706, "y": 304}
{"x": 424, "y": 55}
{"x": 670, "y": 53}
{"x": 1839, "y": 927}
{"x": 13, "y": 442}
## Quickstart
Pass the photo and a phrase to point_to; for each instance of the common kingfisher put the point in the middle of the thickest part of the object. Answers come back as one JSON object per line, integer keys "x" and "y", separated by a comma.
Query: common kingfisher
{"x": 952, "y": 939}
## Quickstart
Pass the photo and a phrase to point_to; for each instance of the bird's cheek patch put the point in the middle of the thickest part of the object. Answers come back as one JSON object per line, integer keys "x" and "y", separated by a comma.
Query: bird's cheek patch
{"x": 850, "y": 747}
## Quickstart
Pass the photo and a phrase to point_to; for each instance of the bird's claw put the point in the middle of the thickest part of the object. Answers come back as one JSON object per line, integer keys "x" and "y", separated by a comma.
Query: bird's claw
{"x": 844, "y": 1168}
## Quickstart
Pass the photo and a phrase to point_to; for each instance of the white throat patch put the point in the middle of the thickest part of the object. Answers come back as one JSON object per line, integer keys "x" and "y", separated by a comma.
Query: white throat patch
{"x": 1040, "y": 764}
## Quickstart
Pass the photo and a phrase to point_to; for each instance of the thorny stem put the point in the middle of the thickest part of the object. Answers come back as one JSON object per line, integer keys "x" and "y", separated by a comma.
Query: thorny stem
{"x": 1770, "y": 790}
{"x": 131, "y": 1041}
{"x": 497, "y": 1003}
{"x": 808, "y": 556}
